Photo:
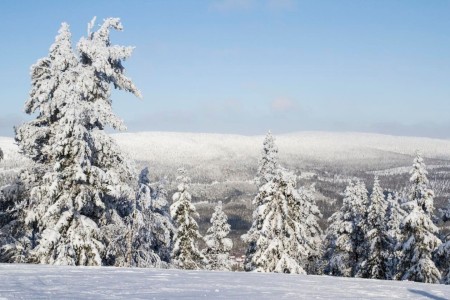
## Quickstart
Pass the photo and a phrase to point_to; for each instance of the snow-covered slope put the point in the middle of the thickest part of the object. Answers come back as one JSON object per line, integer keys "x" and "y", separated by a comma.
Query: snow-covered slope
{"x": 53, "y": 282}
{"x": 174, "y": 149}
{"x": 220, "y": 154}
{"x": 316, "y": 145}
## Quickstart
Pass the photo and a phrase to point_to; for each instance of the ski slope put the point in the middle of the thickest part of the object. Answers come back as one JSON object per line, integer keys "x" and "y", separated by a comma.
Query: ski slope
{"x": 58, "y": 282}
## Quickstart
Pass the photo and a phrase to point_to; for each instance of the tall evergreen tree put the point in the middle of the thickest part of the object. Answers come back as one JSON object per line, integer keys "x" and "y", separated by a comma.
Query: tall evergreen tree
{"x": 162, "y": 227}
{"x": 185, "y": 253}
{"x": 340, "y": 253}
{"x": 360, "y": 213}
{"x": 420, "y": 240}
{"x": 268, "y": 163}
{"x": 443, "y": 260}
{"x": 151, "y": 231}
{"x": 393, "y": 218}
{"x": 218, "y": 246}
{"x": 308, "y": 215}
{"x": 80, "y": 196}
{"x": 15, "y": 238}
{"x": 375, "y": 264}
{"x": 276, "y": 233}
{"x": 345, "y": 236}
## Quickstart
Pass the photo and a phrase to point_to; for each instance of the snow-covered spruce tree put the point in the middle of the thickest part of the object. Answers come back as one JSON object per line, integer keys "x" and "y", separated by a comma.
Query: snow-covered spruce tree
{"x": 360, "y": 212}
{"x": 185, "y": 253}
{"x": 151, "y": 228}
{"x": 268, "y": 163}
{"x": 1, "y": 154}
{"x": 163, "y": 229}
{"x": 344, "y": 248}
{"x": 442, "y": 256}
{"x": 420, "y": 240}
{"x": 443, "y": 260}
{"x": 16, "y": 239}
{"x": 375, "y": 265}
{"x": 309, "y": 216}
{"x": 277, "y": 235}
{"x": 339, "y": 254}
{"x": 393, "y": 218}
{"x": 79, "y": 201}
{"x": 218, "y": 246}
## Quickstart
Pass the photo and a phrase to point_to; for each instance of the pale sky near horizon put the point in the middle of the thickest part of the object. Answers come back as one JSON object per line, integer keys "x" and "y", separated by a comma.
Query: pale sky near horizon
{"x": 247, "y": 66}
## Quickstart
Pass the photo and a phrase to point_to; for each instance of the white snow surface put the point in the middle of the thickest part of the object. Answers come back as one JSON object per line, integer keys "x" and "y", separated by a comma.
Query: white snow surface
{"x": 27, "y": 281}
{"x": 315, "y": 144}
{"x": 203, "y": 152}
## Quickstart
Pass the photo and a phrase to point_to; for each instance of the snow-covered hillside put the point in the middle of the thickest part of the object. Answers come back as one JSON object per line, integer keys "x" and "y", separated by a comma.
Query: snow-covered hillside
{"x": 237, "y": 153}
{"x": 199, "y": 150}
{"x": 316, "y": 145}
{"x": 222, "y": 166}
{"x": 56, "y": 282}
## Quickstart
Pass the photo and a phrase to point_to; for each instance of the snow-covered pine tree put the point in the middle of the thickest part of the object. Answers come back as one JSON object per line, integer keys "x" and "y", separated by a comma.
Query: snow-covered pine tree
{"x": 277, "y": 236}
{"x": 79, "y": 200}
{"x": 309, "y": 216}
{"x": 16, "y": 240}
{"x": 360, "y": 213}
{"x": 151, "y": 228}
{"x": 140, "y": 237}
{"x": 163, "y": 229}
{"x": 393, "y": 218}
{"x": 376, "y": 241}
{"x": 420, "y": 240}
{"x": 345, "y": 235}
{"x": 268, "y": 163}
{"x": 443, "y": 260}
{"x": 185, "y": 253}
{"x": 218, "y": 246}
{"x": 1, "y": 154}
{"x": 340, "y": 251}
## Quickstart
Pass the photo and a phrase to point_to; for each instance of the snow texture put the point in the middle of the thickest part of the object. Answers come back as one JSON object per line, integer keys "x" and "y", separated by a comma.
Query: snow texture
{"x": 62, "y": 282}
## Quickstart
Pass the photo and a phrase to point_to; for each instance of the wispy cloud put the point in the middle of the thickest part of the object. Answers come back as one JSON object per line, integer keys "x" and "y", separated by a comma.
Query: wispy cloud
{"x": 283, "y": 104}
{"x": 232, "y": 5}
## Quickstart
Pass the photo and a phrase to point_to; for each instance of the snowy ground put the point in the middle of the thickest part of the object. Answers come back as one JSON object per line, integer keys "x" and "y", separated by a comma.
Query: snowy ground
{"x": 45, "y": 282}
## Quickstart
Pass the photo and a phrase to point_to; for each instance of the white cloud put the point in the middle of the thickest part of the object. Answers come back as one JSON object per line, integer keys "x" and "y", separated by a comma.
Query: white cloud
{"x": 283, "y": 104}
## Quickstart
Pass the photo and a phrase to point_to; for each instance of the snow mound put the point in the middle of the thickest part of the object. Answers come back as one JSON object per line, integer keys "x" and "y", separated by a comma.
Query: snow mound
{"x": 43, "y": 282}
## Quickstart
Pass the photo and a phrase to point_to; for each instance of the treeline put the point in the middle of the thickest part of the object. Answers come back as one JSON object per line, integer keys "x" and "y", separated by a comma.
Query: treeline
{"x": 81, "y": 201}
{"x": 378, "y": 235}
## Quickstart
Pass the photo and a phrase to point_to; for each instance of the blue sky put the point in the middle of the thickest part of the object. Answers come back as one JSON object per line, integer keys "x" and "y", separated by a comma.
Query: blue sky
{"x": 247, "y": 66}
